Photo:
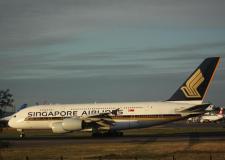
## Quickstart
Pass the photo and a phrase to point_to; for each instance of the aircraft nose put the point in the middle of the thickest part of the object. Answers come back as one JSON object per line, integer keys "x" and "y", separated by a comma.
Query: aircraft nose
{"x": 11, "y": 123}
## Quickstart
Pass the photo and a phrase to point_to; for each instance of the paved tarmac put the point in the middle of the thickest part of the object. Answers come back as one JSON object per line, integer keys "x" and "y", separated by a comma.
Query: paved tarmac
{"x": 191, "y": 137}
{"x": 48, "y": 140}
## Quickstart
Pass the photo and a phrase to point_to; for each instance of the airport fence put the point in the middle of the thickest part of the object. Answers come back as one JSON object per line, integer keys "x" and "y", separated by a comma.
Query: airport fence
{"x": 100, "y": 158}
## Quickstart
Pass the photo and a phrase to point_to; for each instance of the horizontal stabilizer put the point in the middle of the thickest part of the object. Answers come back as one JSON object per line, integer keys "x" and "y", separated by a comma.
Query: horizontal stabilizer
{"x": 195, "y": 110}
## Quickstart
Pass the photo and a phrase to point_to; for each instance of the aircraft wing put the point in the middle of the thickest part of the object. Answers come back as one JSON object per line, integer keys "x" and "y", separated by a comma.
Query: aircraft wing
{"x": 101, "y": 121}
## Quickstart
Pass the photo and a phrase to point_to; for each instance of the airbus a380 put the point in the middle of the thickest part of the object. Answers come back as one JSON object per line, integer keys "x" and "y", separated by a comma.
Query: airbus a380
{"x": 111, "y": 118}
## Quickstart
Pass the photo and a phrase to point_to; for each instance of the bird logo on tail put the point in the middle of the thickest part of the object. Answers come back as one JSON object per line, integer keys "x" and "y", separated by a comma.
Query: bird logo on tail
{"x": 190, "y": 89}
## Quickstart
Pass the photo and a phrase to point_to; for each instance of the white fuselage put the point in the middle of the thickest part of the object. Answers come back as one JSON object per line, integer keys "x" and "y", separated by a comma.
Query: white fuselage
{"x": 130, "y": 115}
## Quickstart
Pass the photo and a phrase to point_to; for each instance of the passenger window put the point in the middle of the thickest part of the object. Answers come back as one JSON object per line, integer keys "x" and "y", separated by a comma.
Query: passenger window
{"x": 14, "y": 116}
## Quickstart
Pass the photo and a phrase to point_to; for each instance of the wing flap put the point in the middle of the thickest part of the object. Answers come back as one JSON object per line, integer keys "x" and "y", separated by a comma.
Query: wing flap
{"x": 103, "y": 120}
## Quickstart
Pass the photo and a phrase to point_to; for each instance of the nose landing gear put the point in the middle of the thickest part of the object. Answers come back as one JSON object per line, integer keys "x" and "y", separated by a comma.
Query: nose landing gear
{"x": 22, "y": 134}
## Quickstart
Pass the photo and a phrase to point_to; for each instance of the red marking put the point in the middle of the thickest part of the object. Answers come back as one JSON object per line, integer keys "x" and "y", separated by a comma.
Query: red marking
{"x": 130, "y": 110}
{"x": 221, "y": 111}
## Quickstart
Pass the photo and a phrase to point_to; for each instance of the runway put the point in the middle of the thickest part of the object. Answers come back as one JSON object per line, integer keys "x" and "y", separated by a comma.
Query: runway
{"x": 182, "y": 133}
{"x": 194, "y": 141}
{"x": 48, "y": 140}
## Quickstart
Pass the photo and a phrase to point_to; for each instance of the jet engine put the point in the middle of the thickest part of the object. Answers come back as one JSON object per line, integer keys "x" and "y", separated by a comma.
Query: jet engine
{"x": 57, "y": 128}
{"x": 72, "y": 124}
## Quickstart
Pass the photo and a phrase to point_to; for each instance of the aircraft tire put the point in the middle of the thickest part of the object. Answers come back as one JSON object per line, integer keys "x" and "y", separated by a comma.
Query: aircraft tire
{"x": 115, "y": 134}
{"x": 97, "y": 134}
{"x": 22, "y": 135}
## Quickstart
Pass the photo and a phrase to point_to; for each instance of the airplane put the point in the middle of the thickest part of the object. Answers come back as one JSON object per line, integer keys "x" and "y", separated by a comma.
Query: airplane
{"x": 110, "y": 119}
{"x": 212, "y": 117}
{"x": 212, "y": 114}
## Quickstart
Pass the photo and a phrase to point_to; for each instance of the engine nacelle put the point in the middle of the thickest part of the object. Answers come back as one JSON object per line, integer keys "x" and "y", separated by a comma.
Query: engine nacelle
{"x": 57, "y": 128}
{"x": 72, "y": 124}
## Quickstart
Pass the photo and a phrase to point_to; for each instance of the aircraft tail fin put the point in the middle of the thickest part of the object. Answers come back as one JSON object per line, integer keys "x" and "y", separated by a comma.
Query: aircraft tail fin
{"x": 193, "y": 90}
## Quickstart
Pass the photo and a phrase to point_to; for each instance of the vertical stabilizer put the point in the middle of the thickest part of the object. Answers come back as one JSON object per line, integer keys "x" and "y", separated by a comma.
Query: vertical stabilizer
{"x": 196, "y": 86}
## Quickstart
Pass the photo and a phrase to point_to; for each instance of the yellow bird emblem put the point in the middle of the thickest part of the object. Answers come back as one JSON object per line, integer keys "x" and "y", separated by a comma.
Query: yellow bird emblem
{"x": 191, "y": 86}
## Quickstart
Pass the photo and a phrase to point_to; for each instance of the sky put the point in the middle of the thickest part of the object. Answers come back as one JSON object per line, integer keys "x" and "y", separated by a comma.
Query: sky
{"x": 86, "y": 51}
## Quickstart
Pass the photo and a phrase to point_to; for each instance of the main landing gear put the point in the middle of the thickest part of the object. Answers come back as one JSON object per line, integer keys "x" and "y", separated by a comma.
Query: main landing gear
{"x": 107, "y": 134}
{"x": 22, "y": 134}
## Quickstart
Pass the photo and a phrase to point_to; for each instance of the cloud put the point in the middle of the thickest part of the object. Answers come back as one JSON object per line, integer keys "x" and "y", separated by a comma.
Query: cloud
{"x": 188, "y": 47}
{"x": 39, "y": 23}
{"x": 118, "y": 62}
{"x": 50, "y": 42}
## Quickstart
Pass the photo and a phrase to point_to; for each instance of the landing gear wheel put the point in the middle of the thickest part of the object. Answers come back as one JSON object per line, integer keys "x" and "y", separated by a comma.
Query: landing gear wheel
{"x": 22, "y": 135}
{"x": 115, "y": 134}
{"x": 107, "y": 134}
{"x": 120, "y": 134}
{"x": 96, "y": 134}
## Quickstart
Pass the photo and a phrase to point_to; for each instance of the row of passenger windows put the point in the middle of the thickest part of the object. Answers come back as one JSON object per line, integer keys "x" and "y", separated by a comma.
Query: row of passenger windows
{"x": 90, "y": 108}
{"x": 147, "y": 116}
{"x": 44, "y": 118}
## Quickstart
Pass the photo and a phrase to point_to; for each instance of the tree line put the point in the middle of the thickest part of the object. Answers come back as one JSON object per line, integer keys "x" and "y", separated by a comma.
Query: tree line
{"x": 6, "y": 99}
